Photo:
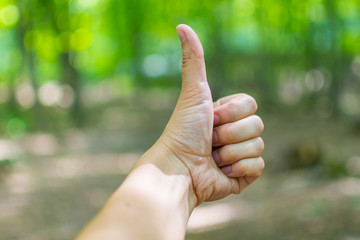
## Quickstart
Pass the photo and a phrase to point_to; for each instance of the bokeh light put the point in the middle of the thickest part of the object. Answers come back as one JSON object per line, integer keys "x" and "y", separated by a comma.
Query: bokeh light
{"x": 9, "y": 15}
{"x": 155, "y": 65}
{"x": 50, "y": 94}
{"x": 25, "y": 95}
{"x": 87, "y": 86}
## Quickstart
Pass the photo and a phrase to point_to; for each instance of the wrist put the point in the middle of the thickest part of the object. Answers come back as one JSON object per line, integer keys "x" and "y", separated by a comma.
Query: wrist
{"x": 173, "y": 170}
{"x": 159, "y": 192}
{"x": 156, "y": 195}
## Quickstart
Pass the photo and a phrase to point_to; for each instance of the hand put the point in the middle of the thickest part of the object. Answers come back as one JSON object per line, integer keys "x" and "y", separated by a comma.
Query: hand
{"x": 191, "y": 135}
{"x": 181, "y": 170}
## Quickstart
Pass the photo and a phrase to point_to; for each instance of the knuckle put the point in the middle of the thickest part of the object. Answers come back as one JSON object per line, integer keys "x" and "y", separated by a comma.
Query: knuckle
{"x": 242, "y": 170}
{"x": 257, "y": 171}
{"x": 230, "y": 136}
{"x": 199, "y": 54}
{"x": 186, "y": 63}
{"x": 243, "y": 95}
{"x": 186, "y": 60}
{"x": 258, "y": 124}
{"x": 261, "y": 165}
{"x": 251, "y": 103}
{"x": 217, "y": 103}
{"x": 259, "y": 146}
{"x": 230, "y": 152}
{"x": 257, "y": 174}
{"x": 232, "y": 108}
{"x": 237, "y": 191}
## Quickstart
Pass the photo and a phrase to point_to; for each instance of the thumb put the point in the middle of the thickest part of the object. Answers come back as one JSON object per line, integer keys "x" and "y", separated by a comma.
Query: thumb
{"x": 193, "y": 64}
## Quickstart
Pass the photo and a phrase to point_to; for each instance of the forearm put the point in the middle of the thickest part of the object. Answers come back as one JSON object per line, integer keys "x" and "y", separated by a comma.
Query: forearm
{"x": 182, "y": 169}
{"x": 154, "y": 202}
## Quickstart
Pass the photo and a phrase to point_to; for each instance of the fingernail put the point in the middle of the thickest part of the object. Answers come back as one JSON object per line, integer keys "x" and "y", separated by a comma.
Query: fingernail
{"x": 181, "y": 35}
{"x": 216, "y": 157}
{"x": 226, "y": 169}
{"x": 214, "y": 138}
{"x": 216, "y": 119}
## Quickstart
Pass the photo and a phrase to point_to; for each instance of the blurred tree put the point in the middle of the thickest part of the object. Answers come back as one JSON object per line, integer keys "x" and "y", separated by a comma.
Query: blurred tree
{"x": 289, "y": 53}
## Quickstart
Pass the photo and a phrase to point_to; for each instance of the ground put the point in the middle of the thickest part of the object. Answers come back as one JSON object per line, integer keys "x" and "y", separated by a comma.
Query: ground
{"x": 60, "y": 181}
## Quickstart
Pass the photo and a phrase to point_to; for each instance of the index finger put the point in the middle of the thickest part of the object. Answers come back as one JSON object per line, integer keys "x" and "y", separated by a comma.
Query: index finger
{"x": 233, "y": 108}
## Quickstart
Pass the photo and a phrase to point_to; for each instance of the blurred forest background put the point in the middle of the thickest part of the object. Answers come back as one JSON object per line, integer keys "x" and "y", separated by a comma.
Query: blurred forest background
{"x": 86, "y": 86}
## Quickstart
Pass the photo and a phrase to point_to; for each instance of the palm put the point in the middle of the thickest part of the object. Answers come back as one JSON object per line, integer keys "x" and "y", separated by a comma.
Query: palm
{"x": 190, "y": 133}
{"x": 192, "y": 121}
{"x": 190, "y": 129}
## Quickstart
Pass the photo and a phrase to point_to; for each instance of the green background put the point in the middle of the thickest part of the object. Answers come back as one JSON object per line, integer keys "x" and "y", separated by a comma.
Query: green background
{"x": 86, "y": 86}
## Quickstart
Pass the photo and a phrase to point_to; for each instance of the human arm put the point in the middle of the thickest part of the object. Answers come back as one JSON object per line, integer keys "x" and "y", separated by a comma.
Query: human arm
{"x": 181, "y": 170}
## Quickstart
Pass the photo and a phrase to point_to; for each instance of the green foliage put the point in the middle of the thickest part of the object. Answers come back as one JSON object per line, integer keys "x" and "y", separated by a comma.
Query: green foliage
{"x": 268, "y": 47}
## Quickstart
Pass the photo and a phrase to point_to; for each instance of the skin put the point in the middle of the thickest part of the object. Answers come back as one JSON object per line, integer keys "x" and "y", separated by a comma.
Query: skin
{"x": 181, "y": 170}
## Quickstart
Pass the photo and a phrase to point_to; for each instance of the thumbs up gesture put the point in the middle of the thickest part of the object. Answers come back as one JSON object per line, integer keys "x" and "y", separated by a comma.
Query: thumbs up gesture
{"x": 198, "y": 125}
{"x": 217, "y": 144}
{"x": 206, "y": 152}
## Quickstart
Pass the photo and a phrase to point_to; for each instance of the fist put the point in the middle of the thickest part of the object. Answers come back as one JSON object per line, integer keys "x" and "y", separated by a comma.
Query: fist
{"x": 236, "y": 137}
{"x": 218, "y": 143}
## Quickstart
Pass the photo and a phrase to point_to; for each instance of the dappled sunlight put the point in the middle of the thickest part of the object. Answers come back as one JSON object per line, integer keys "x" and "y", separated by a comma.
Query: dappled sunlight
{"x": 67, "y": 98}
{"x": 9, "y": 15}
{"x": 87, "y": 86}
{"x": 19, "y": 182}
{"x": 9, "y": 149}
{"x": 80, "y": 166}
{"x": 53, "y": 94}
{"x": 81, "y": 39}
{"x": 70, "y": 165}
{"x": 350, "y": 102}
{"x": 291, "y": 86}
{"x": 99, "y": 93}
{"x": 291, "y": 91}
{"x": 67, "y": 168}
{"x": 85, "y": 4}
{"x": 314, "y": 80}
{"x": 41, "y": 144}
{"x": 296, "y": 85}
{"x": 343, "y": 187}
{"x": 25, "y": 95}
{"x": 155, "y": 65}
{"x": 50, "y": 94}
{"x": 212, "y": 216}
